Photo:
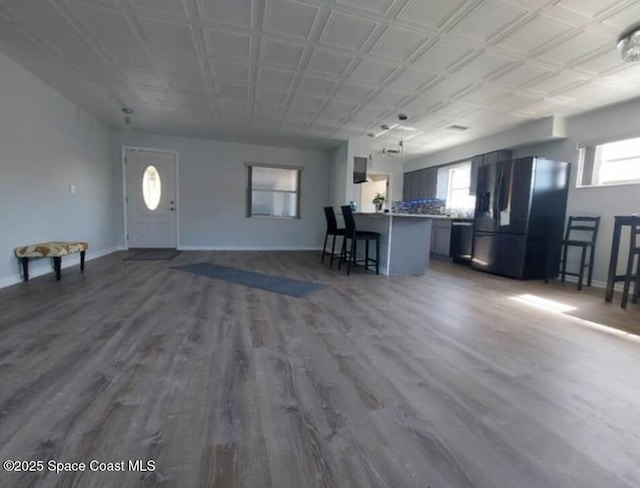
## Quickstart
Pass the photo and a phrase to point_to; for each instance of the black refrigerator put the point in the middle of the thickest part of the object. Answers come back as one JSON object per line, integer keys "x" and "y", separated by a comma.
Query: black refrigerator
{"x": 519, "y": 218}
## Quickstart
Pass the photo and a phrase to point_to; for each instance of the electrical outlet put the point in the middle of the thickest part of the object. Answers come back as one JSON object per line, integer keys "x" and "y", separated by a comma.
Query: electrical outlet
{"x": 72, "y": 189}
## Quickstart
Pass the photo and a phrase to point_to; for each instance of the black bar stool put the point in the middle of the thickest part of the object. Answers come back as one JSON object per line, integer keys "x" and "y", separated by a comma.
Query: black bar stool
{"x": 634, "y": 250}
{"x": 332, "y": 230}
{"x": 352, "y": 235}
{"x": 588, "y": 228}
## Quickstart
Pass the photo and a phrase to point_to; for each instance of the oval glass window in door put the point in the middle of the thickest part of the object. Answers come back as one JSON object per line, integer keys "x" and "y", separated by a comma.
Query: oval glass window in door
{"x": 151, "y": 187}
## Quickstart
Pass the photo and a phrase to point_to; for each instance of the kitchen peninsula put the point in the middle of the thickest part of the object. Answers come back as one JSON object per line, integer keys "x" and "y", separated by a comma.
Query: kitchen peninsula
{"x": 404, "y": 242}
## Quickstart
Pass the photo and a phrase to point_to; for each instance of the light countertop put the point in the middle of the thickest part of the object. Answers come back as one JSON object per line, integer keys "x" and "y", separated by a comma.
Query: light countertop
{"x": 403, "y": 215}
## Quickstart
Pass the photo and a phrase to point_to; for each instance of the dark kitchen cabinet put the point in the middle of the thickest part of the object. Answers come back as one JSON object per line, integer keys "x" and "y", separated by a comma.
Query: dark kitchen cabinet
{"x": 411, "y": 188}
{"x": 497, "y": 157}
{"x": 407, "y": 189}
{"x": 415, "y": 185}
{"x": 478, "y": 161}
{"x": 420, "y": 184}
{"x": 406, "y": 182}
{"x": 429, "y": 182}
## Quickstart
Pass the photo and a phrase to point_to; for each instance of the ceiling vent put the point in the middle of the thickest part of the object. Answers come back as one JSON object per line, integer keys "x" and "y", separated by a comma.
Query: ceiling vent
{"x": 458, "y": 128}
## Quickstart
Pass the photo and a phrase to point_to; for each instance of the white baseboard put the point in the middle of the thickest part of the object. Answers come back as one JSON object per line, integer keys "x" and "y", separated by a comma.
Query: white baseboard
{"x": 67, "y": 262}
{"x": 246, "y": 248}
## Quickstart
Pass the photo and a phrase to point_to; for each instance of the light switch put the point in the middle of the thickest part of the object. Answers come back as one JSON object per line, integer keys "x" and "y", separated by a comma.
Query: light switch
{"x": 72, "y": 189}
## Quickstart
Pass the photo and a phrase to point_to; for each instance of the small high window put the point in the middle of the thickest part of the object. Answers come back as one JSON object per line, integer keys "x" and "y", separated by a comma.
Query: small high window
{"x": 151, "y": 187}
{"x": 613, "y": 163}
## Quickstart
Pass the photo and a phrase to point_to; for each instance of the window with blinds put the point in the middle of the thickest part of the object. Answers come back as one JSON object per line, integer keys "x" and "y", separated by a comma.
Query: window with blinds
{"x": 273, "y": 191}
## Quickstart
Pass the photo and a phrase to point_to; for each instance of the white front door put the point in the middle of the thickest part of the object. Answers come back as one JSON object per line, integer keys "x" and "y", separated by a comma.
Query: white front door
{"x": 151, "y": 198}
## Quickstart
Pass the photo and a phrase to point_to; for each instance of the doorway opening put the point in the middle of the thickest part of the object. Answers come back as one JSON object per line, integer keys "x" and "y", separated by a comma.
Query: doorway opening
{"x": 375, "y": 184}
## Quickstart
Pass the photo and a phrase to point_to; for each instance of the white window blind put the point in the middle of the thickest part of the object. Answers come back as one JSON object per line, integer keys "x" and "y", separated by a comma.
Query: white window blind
{"x": 273, "y": 191}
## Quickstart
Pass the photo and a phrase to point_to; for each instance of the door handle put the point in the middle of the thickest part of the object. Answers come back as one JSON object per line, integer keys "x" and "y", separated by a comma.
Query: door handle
{"x": 173, "y": 209}
{"x": 497, "y": 203}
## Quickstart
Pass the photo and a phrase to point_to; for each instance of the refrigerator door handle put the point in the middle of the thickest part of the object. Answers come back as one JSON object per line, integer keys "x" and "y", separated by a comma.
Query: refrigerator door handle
{"x": 509, "y": 198}
{"x": 501, "y": 193}
{"x": 497, "y": 196}
{"x": 492, "y": 196}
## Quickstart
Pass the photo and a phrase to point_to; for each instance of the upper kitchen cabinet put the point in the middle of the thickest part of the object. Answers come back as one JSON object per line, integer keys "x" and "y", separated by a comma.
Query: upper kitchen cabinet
{"x": 429, "y": 182}
{"x": 482, "y": 159}
{"x": 497, "y": 157}
{"x": 420, "y": 184}
{"x": 411, "y": 186}
{"x": 406, "y": 185}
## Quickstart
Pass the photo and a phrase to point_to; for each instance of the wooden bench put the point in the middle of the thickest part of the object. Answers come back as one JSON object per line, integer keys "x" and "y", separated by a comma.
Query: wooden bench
{"x": 53, "y": 250}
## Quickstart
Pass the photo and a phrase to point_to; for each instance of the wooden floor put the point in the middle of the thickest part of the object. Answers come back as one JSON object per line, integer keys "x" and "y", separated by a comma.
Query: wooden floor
{"x": 444, "y": 380}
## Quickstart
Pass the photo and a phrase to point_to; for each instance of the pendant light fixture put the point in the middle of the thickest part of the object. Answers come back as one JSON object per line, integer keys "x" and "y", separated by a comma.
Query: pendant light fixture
{"x": 629, "y": 45}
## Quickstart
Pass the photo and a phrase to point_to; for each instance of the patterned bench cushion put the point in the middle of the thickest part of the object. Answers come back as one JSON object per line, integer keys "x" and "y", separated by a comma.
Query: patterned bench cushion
{"x": 51, "y": 249}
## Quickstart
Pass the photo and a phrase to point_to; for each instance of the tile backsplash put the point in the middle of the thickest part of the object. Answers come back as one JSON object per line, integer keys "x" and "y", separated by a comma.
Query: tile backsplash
{"x": 430, "y": 206}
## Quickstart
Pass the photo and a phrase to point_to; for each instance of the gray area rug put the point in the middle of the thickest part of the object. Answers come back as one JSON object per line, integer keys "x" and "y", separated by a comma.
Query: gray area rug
{"x": 276, "y": 284}
{"x": 152, "y": 255}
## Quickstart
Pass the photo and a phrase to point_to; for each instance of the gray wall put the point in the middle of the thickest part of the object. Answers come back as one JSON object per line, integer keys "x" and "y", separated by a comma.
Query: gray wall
{"x": 212, "y": 193}
{"x": 341, "y": 180}
{"x": 392, "y": 166}
{"x": 546, "y": 129}
{"x": 338, "y": 175}
{"x": 47, "y": 144}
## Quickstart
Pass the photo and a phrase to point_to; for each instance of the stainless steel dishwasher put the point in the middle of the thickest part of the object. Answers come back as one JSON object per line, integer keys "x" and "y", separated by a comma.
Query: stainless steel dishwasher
{"x": 461, "y": 249}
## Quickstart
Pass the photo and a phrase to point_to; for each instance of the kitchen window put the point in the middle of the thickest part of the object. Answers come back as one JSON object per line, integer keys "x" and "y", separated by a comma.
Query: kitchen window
{"x": 613, "y": 163}
{"x": 273, "y": 191}
{"x": 458, "y": 187}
